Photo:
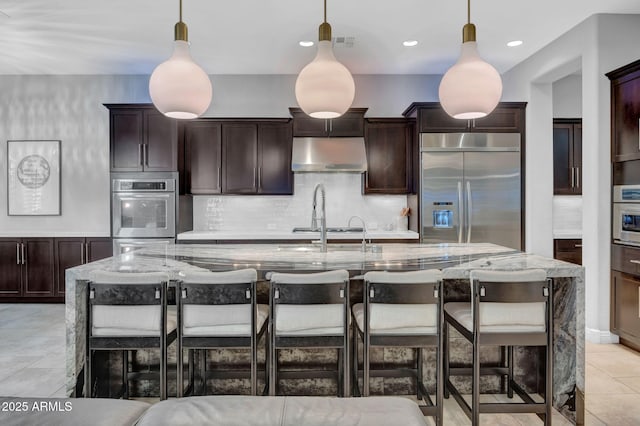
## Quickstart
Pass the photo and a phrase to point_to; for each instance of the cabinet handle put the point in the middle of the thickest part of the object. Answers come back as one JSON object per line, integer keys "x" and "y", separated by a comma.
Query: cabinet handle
{"x": 259, "y": 177}
{"x": 82, "y": 254}
{"x": 140, "y": 154}
{"x": 637, "y": 262}
{"x": 17, "y": 253}
{"x": 254, "y": 176}
{"x": 578, "y": 246}
{"x": 572, "y": 177}
{"x": 24, "y": 258}
{"x": 145, "y": 154}
{"x": 219, "y": 178}
{"x": 330, "y": 126}
{"x": 577, "y": 177}
{"x": 326, "y": 125}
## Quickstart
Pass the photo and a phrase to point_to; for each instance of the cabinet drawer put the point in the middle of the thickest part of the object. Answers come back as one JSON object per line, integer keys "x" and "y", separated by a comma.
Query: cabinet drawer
{"x": 626, "y": 306}
{"x": 625, "y": 259}
{"x": 568, "y": 250}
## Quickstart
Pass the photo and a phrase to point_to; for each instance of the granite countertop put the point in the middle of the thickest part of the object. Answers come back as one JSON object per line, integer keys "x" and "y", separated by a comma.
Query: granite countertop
{"x": 288, "y": 235}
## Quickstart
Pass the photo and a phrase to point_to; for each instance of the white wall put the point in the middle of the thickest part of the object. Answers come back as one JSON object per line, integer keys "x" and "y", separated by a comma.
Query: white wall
{"x": 69, "y": 108}
{"x": 599, "y": 44}
{"x": 567, "y": 97}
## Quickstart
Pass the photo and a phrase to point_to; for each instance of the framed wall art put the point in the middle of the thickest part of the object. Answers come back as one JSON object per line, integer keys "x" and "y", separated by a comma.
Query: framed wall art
{"x": 33, "y": 178}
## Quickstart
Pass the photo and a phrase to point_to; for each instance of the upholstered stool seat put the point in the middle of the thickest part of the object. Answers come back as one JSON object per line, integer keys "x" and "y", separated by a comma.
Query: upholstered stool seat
{"x": 501, "y": 317}
{"x": 393, "y": 319}
{"x": 221, "y": 320}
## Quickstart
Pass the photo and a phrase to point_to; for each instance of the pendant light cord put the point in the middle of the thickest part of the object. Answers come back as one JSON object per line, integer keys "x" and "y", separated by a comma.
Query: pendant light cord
{"x": 325, "y": 10}
{"x": 180, "y": 10}
{"x": 468, "y": 11}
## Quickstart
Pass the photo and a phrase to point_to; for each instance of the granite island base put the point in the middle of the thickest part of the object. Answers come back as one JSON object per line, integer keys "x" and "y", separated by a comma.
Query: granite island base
{"x": 455, "y": 260}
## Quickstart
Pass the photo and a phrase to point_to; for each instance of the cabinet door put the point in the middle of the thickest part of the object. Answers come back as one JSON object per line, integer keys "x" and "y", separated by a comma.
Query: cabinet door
{"x": 98, "y": 249}
{"x": 577, "y": 157}
{"x": 10, "y": 268}
{"x": 203, "y": 152}
{"x": 305, "y": 126}
{"x": 240, "y": 158}
{"x": 563, "y": 175}
{"x": 70, "y": 252}
{"x": 161, "y": 139}
{"x": 505, "y": 118}
{"x": 39, "y": 271}
{"x": 126, "y": 139}
{"x": 274, "y": 173}
{"x": 351, "y": 124}
{"x": 501, "y": 119}
{"x": 568, "y": 250}
{"x": 625, "y": 98}
{"x": 388, "y": 148}
{"x": 626, "y": 307}
{"x": 435, "y": 119}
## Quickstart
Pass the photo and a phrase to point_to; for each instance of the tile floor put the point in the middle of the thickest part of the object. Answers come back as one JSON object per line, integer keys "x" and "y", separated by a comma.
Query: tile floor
{"x": 32, "y": 359}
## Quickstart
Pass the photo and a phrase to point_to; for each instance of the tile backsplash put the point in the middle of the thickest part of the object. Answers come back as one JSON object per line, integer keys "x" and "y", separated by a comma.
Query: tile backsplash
{"x": 567, "y": 213}
{"x": 282, "y": 213}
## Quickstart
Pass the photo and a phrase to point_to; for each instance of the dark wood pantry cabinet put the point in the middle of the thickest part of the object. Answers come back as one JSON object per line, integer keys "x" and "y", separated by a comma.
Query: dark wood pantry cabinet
{"x": 74, "y": 251}
{"x": 350, "y": 124}
{"x": 203, "y": 157}
{"x": 625, "y": 112}
{"x": 567, "y": 156}
{"x": 142, "y": 139}
{"x": 388, "y": 144}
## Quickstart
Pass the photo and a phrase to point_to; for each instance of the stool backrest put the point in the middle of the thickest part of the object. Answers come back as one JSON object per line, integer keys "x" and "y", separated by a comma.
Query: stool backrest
{"x": 308, "y": 289}
{"x": 218, "y": 288}
{"x": 414, "y": 287}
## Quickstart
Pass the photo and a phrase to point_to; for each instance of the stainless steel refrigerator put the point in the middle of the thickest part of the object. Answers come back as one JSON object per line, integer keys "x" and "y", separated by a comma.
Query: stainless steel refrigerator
{"x": 471, "y": 188}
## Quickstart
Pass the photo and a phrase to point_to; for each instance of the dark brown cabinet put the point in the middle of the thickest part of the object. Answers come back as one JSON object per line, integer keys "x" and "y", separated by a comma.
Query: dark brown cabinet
{"x": 142, "y": 139}
{"x": 569, "y": 250}
{"x": 350, "y": 124}
{"x": 27, "y": 267}
{"x": 625, "y": 298}
{"x": 625, "y": 112}
{"x": 70, "y": 252}
{"x": 203, "y": 157}
{"x": 388, "y": 144}
{"x": 567, "y": 156}
{"x": 506, "y": 117}
{"x": 274, "y": 158}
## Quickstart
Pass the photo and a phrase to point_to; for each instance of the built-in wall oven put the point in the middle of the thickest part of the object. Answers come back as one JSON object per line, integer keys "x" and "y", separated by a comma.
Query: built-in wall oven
{"x": 143, "y": 209}
{"x": 626, "y": 214}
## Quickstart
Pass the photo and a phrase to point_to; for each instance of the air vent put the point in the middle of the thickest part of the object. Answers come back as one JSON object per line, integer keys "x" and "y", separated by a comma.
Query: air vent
{"x": 343, "y": 41}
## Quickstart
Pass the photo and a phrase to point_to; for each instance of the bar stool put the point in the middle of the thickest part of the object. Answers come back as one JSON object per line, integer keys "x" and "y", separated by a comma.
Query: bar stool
{"x": 219, "y": 310}
{"x": 125, "y": 312}
{"x": 507, "y": 309}
{"x": 401, "y": 309}
{"x": 309, "y": 311}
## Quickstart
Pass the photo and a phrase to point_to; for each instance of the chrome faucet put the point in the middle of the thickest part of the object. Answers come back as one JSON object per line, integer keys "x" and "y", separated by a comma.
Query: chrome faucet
{"x": 364, "y": 230}
{"x": 323, "y": 219}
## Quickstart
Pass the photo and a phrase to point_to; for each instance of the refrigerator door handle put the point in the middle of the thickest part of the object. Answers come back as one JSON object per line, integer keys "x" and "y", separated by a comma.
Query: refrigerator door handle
{"x": 460, "y": 221}
{"x": 469, "y": 210}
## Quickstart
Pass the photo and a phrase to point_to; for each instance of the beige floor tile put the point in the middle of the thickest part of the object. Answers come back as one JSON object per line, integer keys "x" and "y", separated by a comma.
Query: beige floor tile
{"x": 632, "y": 382}
{"x": 33, "y": 382}
{"x": 591, "y": 420}
{"x": 624, "y": 363}
{"x": 598, "y": 348}
{"x": 598, "y": 382}
{"x": 616, "y": 410}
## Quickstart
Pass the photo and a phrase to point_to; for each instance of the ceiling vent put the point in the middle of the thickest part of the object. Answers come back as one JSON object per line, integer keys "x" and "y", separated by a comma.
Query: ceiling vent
{"x": 343, "y": 41}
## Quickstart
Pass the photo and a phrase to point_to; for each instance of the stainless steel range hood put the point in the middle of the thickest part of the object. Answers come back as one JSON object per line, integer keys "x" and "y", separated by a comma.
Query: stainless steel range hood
{"x": 328, "y": 155}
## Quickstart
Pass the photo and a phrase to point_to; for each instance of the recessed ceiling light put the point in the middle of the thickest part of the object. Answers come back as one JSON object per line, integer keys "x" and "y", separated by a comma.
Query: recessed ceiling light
{"x": 514, "y": 43}
{"x": 410, "y": 43}
{"x": 306, "y": 43}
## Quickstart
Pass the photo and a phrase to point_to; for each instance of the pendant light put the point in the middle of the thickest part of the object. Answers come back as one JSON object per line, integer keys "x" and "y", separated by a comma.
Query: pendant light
{"x": 471, "y": 88}
{"x": 179, "y": 88}
{"x": 325, "y": 87}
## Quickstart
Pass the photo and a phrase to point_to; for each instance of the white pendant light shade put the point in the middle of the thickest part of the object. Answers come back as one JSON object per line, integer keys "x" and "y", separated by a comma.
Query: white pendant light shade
{"x": 471, "y": 88}
{"x": 179, "y": 88}
{"x": 325, "y": 87}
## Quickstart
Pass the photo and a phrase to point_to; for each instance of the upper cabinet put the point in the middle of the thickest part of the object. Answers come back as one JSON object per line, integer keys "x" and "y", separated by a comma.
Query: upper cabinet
{"x": 350, "y": 124}
{"x": 142, "y": 139}
{"x": 625, "y": 112}
{"x": 567, "y": 156}
{"x": 508, "y": 117}
{"x": 238, "y": 156}
{"x": 388, "y": 145}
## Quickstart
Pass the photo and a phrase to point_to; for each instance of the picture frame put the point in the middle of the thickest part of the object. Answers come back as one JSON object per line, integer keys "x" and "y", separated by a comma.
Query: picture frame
{"x": 33, "y": 178}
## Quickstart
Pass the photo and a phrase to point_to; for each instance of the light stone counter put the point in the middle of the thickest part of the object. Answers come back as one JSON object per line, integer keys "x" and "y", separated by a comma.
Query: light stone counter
{"x": 282, "y": 235}
{"x": 456, "y": 260}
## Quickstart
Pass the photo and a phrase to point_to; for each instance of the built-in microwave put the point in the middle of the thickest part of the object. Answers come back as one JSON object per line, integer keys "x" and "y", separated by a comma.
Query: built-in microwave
{"x": 626, "y": 214}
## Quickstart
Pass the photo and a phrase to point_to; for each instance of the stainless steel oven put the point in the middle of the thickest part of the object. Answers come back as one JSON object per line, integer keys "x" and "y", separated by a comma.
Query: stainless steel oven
{"x": 143, "y": 205}
{"x": 626, "y": 214}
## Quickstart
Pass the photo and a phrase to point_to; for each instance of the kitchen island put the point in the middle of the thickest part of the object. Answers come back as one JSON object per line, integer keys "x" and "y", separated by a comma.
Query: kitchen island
{"x": 455, "y": 260}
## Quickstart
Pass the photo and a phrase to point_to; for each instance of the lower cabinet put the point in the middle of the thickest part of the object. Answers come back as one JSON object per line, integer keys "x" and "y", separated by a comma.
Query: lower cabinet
{"x": 33, "y": 268}
{"x": 625, "y": 307}
{"x": 568, "y": 250}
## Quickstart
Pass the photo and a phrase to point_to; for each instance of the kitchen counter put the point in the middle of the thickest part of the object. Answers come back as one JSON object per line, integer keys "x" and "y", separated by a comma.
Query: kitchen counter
{"x": 455, "y": 260}
{"x": 288, "y": 235}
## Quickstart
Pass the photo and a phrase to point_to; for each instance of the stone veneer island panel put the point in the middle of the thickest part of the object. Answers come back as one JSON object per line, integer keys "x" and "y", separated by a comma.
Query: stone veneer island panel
{"x": 455, "y": 260}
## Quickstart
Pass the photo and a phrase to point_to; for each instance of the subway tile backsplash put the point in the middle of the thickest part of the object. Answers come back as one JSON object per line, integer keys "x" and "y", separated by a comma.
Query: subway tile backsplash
{"x": 283, "y": 213}
{"x": 567, "y": 213}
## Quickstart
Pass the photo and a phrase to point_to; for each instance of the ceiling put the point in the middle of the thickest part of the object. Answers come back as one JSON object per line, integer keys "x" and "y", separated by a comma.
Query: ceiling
{"x": 261, "y": 36}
